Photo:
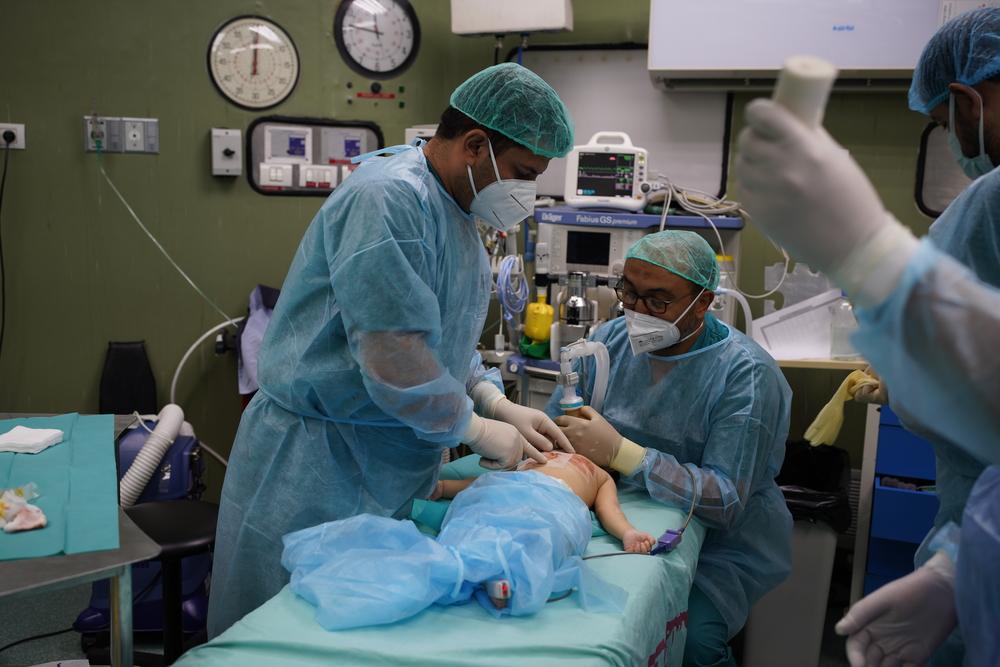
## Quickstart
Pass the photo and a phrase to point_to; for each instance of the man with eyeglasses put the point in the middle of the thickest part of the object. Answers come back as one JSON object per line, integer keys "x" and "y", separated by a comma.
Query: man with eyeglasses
{"x": 687, "y": 391}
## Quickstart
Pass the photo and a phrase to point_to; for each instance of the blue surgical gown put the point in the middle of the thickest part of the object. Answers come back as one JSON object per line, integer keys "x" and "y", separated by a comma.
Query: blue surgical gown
{"x": 977, "y": 582}
{"x": 721, "y": 411}
{"x": 969, "y": 231}
{"x": 363, "y": 372}
{"x": 934, "y": 343}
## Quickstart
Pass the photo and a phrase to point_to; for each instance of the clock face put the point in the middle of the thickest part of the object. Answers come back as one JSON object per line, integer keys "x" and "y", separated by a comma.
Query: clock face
{"x": 253, "y": 62}
{"x": 378, "y": 38}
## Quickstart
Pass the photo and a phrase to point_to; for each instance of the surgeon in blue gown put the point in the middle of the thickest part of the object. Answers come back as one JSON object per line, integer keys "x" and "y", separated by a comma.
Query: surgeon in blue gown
{"x": 695, "y": 412}
{"x": 952, "y": 84}
{"x": 928, "y": 325}
{"x": 368, "y": 369}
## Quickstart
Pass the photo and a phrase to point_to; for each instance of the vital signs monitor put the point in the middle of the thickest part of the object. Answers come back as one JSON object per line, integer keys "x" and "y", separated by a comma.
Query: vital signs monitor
{"x": 606, "y": 172}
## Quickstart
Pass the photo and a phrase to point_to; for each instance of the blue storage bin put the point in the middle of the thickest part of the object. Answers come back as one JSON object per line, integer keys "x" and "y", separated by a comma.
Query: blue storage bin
{"x": 898, "y": 514}
{"x": 874, "y": 582}
{"x": 887, "y": 417}
{"x": 902, "y": 454}
{"x": 890, "y": 558}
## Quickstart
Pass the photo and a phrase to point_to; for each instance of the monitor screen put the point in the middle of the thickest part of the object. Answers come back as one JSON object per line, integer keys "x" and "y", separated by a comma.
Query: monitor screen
{"x": 289, "y": 144}
{"x": 592, "y": 248}
{"x": 605, "y": 174}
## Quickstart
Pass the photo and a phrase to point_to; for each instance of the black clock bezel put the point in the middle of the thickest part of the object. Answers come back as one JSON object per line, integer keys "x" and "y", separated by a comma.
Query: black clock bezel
{"x": 338, "y": 37}
{"x": 218, "y": 88}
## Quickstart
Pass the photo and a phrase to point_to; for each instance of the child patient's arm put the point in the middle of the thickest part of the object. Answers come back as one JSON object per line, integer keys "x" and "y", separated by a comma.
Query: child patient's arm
{"x": 449, "y": 488}
{"x": 610, "y": 514}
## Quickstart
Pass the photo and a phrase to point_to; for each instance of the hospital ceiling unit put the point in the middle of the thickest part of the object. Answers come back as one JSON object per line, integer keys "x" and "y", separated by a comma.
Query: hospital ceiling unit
{"x": 490, "y": 17}
{"x": 874, "y": 43}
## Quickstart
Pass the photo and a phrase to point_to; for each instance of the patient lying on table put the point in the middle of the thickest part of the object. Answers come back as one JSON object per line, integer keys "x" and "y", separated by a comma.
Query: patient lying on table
{"x": 518, "y": 534}
{"x": 591, "y": 484}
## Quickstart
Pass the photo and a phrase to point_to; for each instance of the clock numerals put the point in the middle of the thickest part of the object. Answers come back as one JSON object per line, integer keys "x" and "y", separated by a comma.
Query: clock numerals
{"x": 378, "y": 45}
{"x": 246, "y": 56}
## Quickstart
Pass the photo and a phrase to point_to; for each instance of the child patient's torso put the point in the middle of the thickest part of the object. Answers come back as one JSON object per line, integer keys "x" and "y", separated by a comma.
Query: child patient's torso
{"x": 578, "y": 472}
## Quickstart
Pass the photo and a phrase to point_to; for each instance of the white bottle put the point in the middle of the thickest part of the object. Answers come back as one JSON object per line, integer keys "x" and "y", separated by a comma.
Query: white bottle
{"x": 727, "y": 275}
{"x": 842, "y": 325}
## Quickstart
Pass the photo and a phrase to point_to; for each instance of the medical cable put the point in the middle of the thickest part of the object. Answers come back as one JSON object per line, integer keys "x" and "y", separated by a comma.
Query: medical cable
{"x": 137, "y": 598}
{"x": 703, "y": 205}
{"x": 8, "y": 140}
{"x": 31, "y": 639}
{"x": 194, "y": 346}
{"x": 671, "y": 537}
{"x": 163, "y": 250}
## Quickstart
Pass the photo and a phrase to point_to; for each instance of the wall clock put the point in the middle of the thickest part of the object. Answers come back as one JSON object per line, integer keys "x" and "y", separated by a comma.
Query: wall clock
{"x": 253, "y": 62}
{"x": 378, "y": 39}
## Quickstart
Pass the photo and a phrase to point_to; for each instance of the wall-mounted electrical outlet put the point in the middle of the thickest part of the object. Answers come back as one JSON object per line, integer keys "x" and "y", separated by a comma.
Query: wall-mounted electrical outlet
{"x": 18, "y": 130}
{"x": 135, "y": 133}
{"x": 121, "y": 135}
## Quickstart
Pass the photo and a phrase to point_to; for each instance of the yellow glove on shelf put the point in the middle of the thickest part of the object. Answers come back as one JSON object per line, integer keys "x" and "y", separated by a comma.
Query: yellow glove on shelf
{"x": 826, "y": 427}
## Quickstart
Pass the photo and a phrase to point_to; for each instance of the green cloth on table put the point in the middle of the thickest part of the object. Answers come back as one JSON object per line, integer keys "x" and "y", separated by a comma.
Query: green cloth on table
{"x": 77, "y": 485}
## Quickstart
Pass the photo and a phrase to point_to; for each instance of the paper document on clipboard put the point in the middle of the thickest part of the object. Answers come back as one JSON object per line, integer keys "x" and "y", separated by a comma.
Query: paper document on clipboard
{"x": 800, "y": 331}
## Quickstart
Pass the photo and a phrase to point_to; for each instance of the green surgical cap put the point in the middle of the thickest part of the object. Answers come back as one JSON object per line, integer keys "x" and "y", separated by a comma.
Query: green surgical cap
{"x": 517, "y": 103}
{"x": 684, "y": 253}
{"x": 966, "y": 50}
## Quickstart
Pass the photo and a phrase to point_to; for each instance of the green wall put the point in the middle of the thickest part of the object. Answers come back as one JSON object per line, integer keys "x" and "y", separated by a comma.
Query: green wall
{"x": 79, "y": 271}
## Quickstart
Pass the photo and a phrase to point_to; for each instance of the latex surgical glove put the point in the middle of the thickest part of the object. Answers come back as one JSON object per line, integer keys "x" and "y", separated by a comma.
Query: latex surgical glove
{"x": 595, "y": 438}
{"x": 499, "y": 444}
{"x": 807, "y": 193}
{"x": 905, "y": 621}
{"x": 872, "y": 392}
{"x": 635, "y": 541}
{"x": 534, "y": 425}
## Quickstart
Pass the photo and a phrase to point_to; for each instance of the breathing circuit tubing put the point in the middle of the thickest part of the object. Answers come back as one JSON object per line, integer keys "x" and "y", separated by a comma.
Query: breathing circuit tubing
{"x": 512, "y": 288}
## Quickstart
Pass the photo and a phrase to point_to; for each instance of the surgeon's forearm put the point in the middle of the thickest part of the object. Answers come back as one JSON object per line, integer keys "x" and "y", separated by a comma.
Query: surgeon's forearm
{"x": 485, "y": 395}
{"x": 717, "y": 500}
{"x": 872, "y": 271}
{"x": 405, "y": 380}
{"x": 934, "y": 343}
{"x": 400, "y": 359}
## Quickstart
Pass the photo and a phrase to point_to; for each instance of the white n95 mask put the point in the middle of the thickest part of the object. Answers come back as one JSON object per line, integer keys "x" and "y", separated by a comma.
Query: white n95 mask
{"x": 648, "y": 334}
{"x": 505, "y": 202}
{"x": 974, "y": 167}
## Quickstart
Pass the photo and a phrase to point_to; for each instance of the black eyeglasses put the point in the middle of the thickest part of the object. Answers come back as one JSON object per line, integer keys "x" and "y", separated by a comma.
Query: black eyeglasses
{"x": 630, "y": 298}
